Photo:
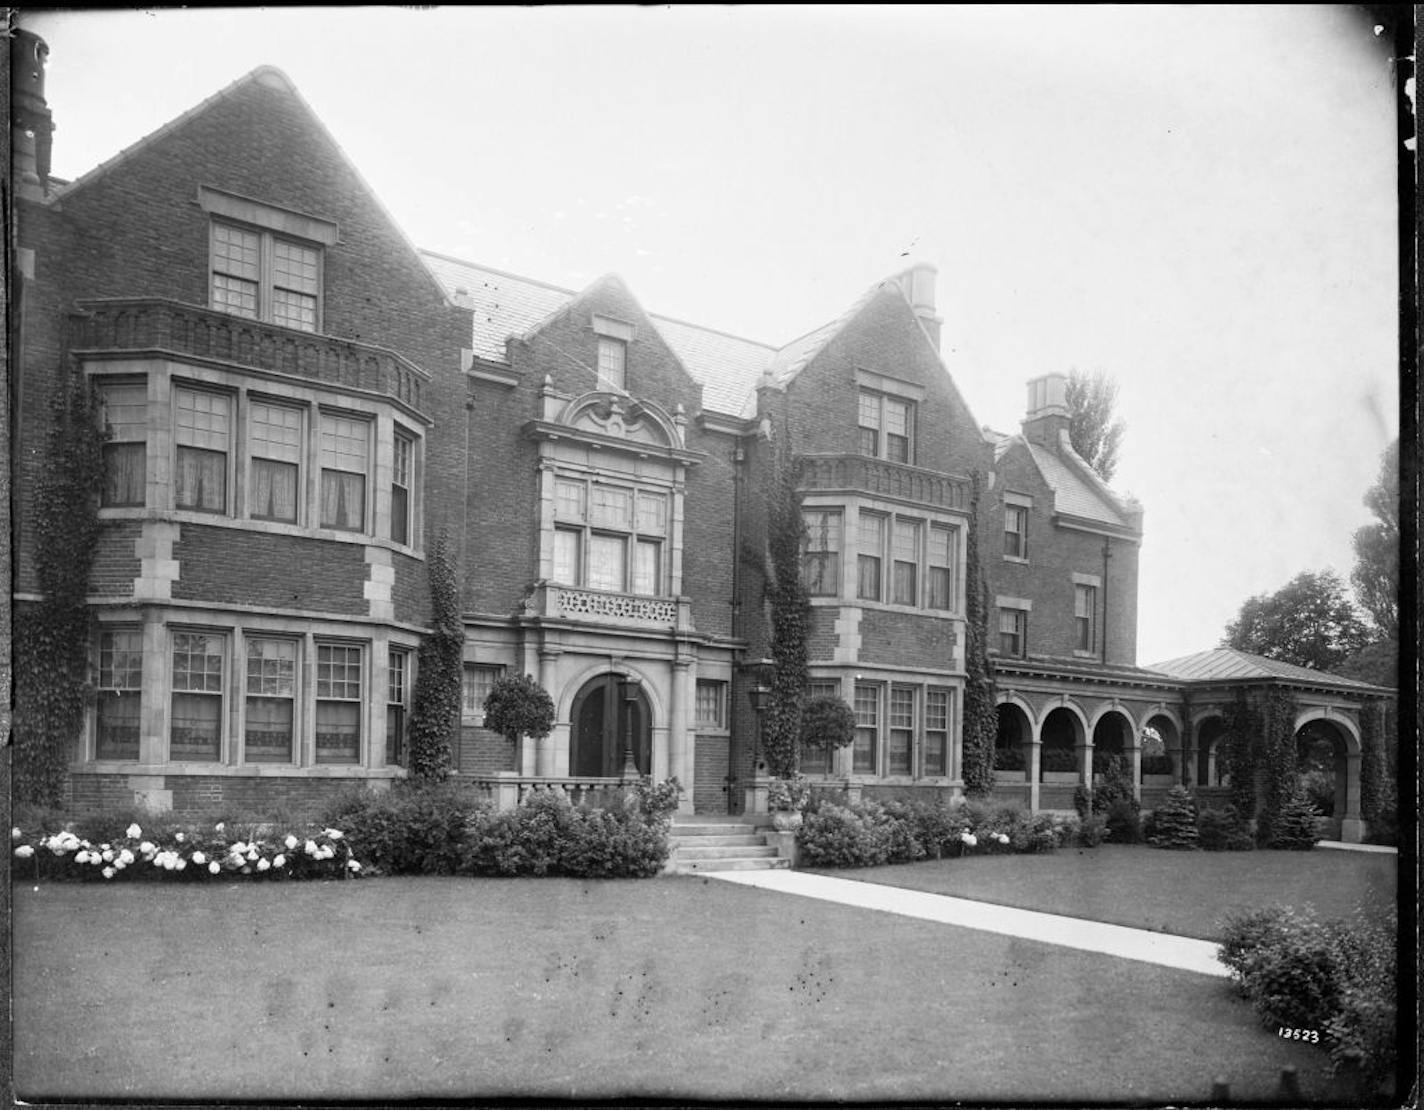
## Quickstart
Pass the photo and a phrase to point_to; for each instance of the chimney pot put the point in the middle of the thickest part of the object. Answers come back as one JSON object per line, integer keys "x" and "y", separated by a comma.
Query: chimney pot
{"x": 31, "y": 127}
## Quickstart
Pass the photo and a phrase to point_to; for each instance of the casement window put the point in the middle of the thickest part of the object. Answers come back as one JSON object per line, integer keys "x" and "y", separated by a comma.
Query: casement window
{"x": 269, "y": 728}
{"x": 478, "y": 681}
{"x": 397, "y": 699}
{"x": 202, "y": 432}
{"x": 1013, "y": 632}
{"x": 1085, "y": 607}
{"x": 275, "y": 440}
{"x": 935, "y": 760}
{"x": 118, "y": 684}
{"x": 195, "y": 729}
{"x": 939, "y": 572}
{"x": 265, "y": 276}
{"x": 867, "y": 728}
{"x": 612, "y": 363}
{"x": 886, "y": 427}
{"x": 402, "y": 477}
{"x": 338, "y": 703}
{"x": 345, "y": 451}
{"x": 609, "y": 537}
{"x": 821, "y": 552}
{"x": 1015, "y": 532}
{"x": 817, "y": 760}
{"x": 125, "y": 410}
{"x": 711, "y": 711}
{"x": 899, "y": 755}
{"x": 870, "y": 562}
{"x": 905, "y": 562}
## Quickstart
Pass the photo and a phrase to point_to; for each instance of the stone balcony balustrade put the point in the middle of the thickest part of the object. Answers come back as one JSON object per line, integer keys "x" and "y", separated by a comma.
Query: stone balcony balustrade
{"x": 609, "y": 609}
{"x": 887, "y": 479}
{"x": 163, "y": 327}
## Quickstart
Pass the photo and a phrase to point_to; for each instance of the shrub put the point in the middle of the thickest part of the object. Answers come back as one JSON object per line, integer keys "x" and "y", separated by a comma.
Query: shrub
{"x": 1124, "y": 825}
{"x": 938, "y": 829}
{"x": 838, "y": 836}
{"x": 518, "y": 706}
{"x": 1058, "y": 759}
{"x": 1222, "y": 830}
{"x": 1043, "y": 834}
{"x": 1338, "y": 977}
{"x": 1008, "y": 759}
{"x": 545, "y": 835}
{"x": 657, "y": 802}
{"x": 827, "y": 723}
{"x": 1174, "y": 823}
{"x": 1297, "y": 826}
{"x": 1156, "y": 764}
{"x": 414, "y": 828}
{"x": 1091, "y": 830}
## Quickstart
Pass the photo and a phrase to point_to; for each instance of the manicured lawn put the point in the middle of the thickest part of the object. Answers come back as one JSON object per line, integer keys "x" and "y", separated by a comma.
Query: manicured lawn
{"x": 671, "y": 988}
{"x": 1185, "y": 893}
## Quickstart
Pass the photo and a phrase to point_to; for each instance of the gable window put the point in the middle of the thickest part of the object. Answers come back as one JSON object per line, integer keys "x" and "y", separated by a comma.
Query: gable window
{"x": 117, "y": 697}
{"x": 275, "y": 441}
{"x": 338, "y": 703}
{"x": 821, "y": 552}
{"x": 478, "y": 681}
{"x": 397, "y": 698}
{"x": 264, "y": 276}
{"x": 711, "y": 704}
{"x": 609, "y": 537}
{"x": 195, "y": 731}
{"x": 271, "y": 693}
{"x": 401, "y": 474}
{"x": 1015, "y": 532}
{"x": 126, "y": 448}
{"x": 886, "y": 426}
{"x": 1013, "y": 632}
{"x": 612, "y": 363}
{"x": 1085, "y": 605}
{"x": 202, "y": 430}
{"x": 345, "y": 455}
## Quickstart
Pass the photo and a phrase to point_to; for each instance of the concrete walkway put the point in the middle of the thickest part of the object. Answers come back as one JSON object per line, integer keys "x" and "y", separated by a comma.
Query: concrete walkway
{"x": 1183, "y": 953}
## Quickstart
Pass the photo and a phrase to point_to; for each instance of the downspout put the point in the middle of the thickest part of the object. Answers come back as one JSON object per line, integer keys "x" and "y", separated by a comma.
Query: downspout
{"x": 739, "y": 482}
{"x": 1107, "y": 554}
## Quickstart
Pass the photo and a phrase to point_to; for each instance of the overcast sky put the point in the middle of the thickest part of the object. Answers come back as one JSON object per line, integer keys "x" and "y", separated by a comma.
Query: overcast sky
{"x": 1199, "y": 201}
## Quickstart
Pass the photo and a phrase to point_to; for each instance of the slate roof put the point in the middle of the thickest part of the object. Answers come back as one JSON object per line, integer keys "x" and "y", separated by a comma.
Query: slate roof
{"x": 726, "y": 366}
{"x": 1074, "y": 492}
{"x": 1230, "y": 665}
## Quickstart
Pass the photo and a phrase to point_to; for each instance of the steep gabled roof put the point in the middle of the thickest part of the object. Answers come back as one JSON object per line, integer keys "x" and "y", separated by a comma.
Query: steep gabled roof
{"x": 1230, "y": 665}
{"x": 506, "y": 305}
{"x": 1074, "y": 492}
{"x": 272, "y": 77}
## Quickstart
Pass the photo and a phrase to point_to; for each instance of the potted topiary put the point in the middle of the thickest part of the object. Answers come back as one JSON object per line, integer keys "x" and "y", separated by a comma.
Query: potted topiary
{"x": 828, "y": 724}
{"x": 785, "y": 799}
{"x": 518, "y": 706}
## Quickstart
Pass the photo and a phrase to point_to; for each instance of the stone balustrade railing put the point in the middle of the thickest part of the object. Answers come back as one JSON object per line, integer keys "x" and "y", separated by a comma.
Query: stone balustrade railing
{"x": 889, "y": 479}
{"x": 607, "y": 608}
{"x": 584, "y": 792}
{"x": 183, "y": 330}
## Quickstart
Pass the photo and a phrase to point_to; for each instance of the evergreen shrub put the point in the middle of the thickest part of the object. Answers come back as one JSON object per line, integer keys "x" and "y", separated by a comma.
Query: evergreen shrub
{"x": 1174, "y": 823}
{"x": 1296, "y": 826}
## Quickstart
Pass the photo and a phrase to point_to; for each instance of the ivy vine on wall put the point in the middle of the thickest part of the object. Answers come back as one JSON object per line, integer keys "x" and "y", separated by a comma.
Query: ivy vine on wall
{"x": 1260, "y": 756}
{"x": 435, "y": 702}
{"x": 52, "y": 635}
{"x": 981, "y": 721}
{"x": 790, "y": 622}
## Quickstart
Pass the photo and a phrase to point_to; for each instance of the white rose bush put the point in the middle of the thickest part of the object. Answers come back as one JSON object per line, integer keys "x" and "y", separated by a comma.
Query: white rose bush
{"x": 169, "y": 850}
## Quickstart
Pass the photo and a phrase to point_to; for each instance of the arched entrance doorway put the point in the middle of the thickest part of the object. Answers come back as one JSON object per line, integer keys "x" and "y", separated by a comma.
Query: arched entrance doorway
{"x": 1012, "y": 740}
{"x": 1061, "y": 734}
{"x": 600, "y": 736}
{"x": 1112, "y": 736}
{"x": 1323, "y": 768}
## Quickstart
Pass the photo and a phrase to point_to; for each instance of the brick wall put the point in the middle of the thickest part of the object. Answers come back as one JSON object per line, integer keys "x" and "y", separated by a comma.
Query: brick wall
{"x": 281, "y": 572}
{"x": 709, "y": 764}
{"x": 480, "y": 751}
{"x": 905, "y": 640}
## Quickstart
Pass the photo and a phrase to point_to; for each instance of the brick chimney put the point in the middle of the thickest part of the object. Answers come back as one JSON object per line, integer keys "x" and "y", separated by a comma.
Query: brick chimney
{"x": 1047, "y": 410}
{"x": 31, "y": 127}
{"x": 918, "y": 282}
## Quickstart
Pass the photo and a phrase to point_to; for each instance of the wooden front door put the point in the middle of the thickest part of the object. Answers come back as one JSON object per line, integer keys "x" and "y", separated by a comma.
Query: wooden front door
{"x": 600, "y": 736}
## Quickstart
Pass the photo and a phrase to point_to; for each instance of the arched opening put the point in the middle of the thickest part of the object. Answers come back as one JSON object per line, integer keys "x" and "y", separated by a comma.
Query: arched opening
{"x": 1323, "y": 770}
{"x": 1211, "y": 766}
{"x": 606, "y": 726}
{"x": 1161, "y": 747}
{"x": 1011, "y": 742}
{"x": 1112, "y": 736}
{"x": 1061, "y": 734}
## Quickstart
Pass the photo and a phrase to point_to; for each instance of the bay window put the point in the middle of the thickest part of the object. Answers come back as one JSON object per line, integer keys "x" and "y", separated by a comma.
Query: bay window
{"x": 397, "y": 698}
{"x": 125, "y": 410}
{"x": 270, "y": 709}
{"x": 609, "y": 537}
{"x": 202, "y": 430}
{"x": 936, "y": 752}
{"x": 195, "y": 731}
{"x": 345, "y": 457}
{"x": 120, "y": 681}
{"x": 939, "y": 576}
{"x": 338, "y": 703}
{"x": 906, "y": 562}
{"x": 402, "y": 475}
{"x": 821, "y": 552}
{"x": 867, "y": 728}
{"x": 275, "y": 438}
{"x": 870, "y": 560}
{"x": 901, "y": 744}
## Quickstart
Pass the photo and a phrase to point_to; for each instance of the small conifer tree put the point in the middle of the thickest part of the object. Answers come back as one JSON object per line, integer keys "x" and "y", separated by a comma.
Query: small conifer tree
{"x": 1296, "y": 826}
{"x": 1176, "y": 822}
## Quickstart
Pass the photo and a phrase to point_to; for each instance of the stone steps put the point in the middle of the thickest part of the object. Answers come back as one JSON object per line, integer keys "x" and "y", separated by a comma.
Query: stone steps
{"x": 729, "y": 845}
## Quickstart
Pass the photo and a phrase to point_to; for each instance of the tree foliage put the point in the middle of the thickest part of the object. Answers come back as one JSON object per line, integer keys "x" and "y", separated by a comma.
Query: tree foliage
{"x": 1092, "y": 429}
{"x": 827, "y": 723}
{"x": 790, "y": 621}
{"x": 52, "y": 636}
{"x": 435, "y": 702}
{"x": 981, "y": 721}
{"x": 1309, "y": 622}
{"x": 518, "y": 706}
{"x": 1376, "y": 573}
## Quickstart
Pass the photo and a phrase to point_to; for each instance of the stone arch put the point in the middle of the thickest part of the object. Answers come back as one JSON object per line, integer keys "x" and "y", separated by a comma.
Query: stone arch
{"x": 607, "y": 730}
{"x": 1350, "y": 731}
{"x": 1114, "y": 733}
{"x": 1015, "y": 731}
{"x": 569, "y": 690}
{"x": 1209, "y": 726}
{"x": 1168, "y": 726}
{"x": 1063, "y": 726}
{"x": 1336, "y": 738}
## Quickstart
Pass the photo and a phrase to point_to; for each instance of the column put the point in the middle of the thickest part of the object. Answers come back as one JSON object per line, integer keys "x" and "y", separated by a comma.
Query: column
{"x": 541, "y": 760}
{"x": 1134, "y": 760}
{"x": 1035, "y": 764}
{"x": 681, "y": 760}
{"x": 1187, "y": 753}
{"x": 1352, "y": 828}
